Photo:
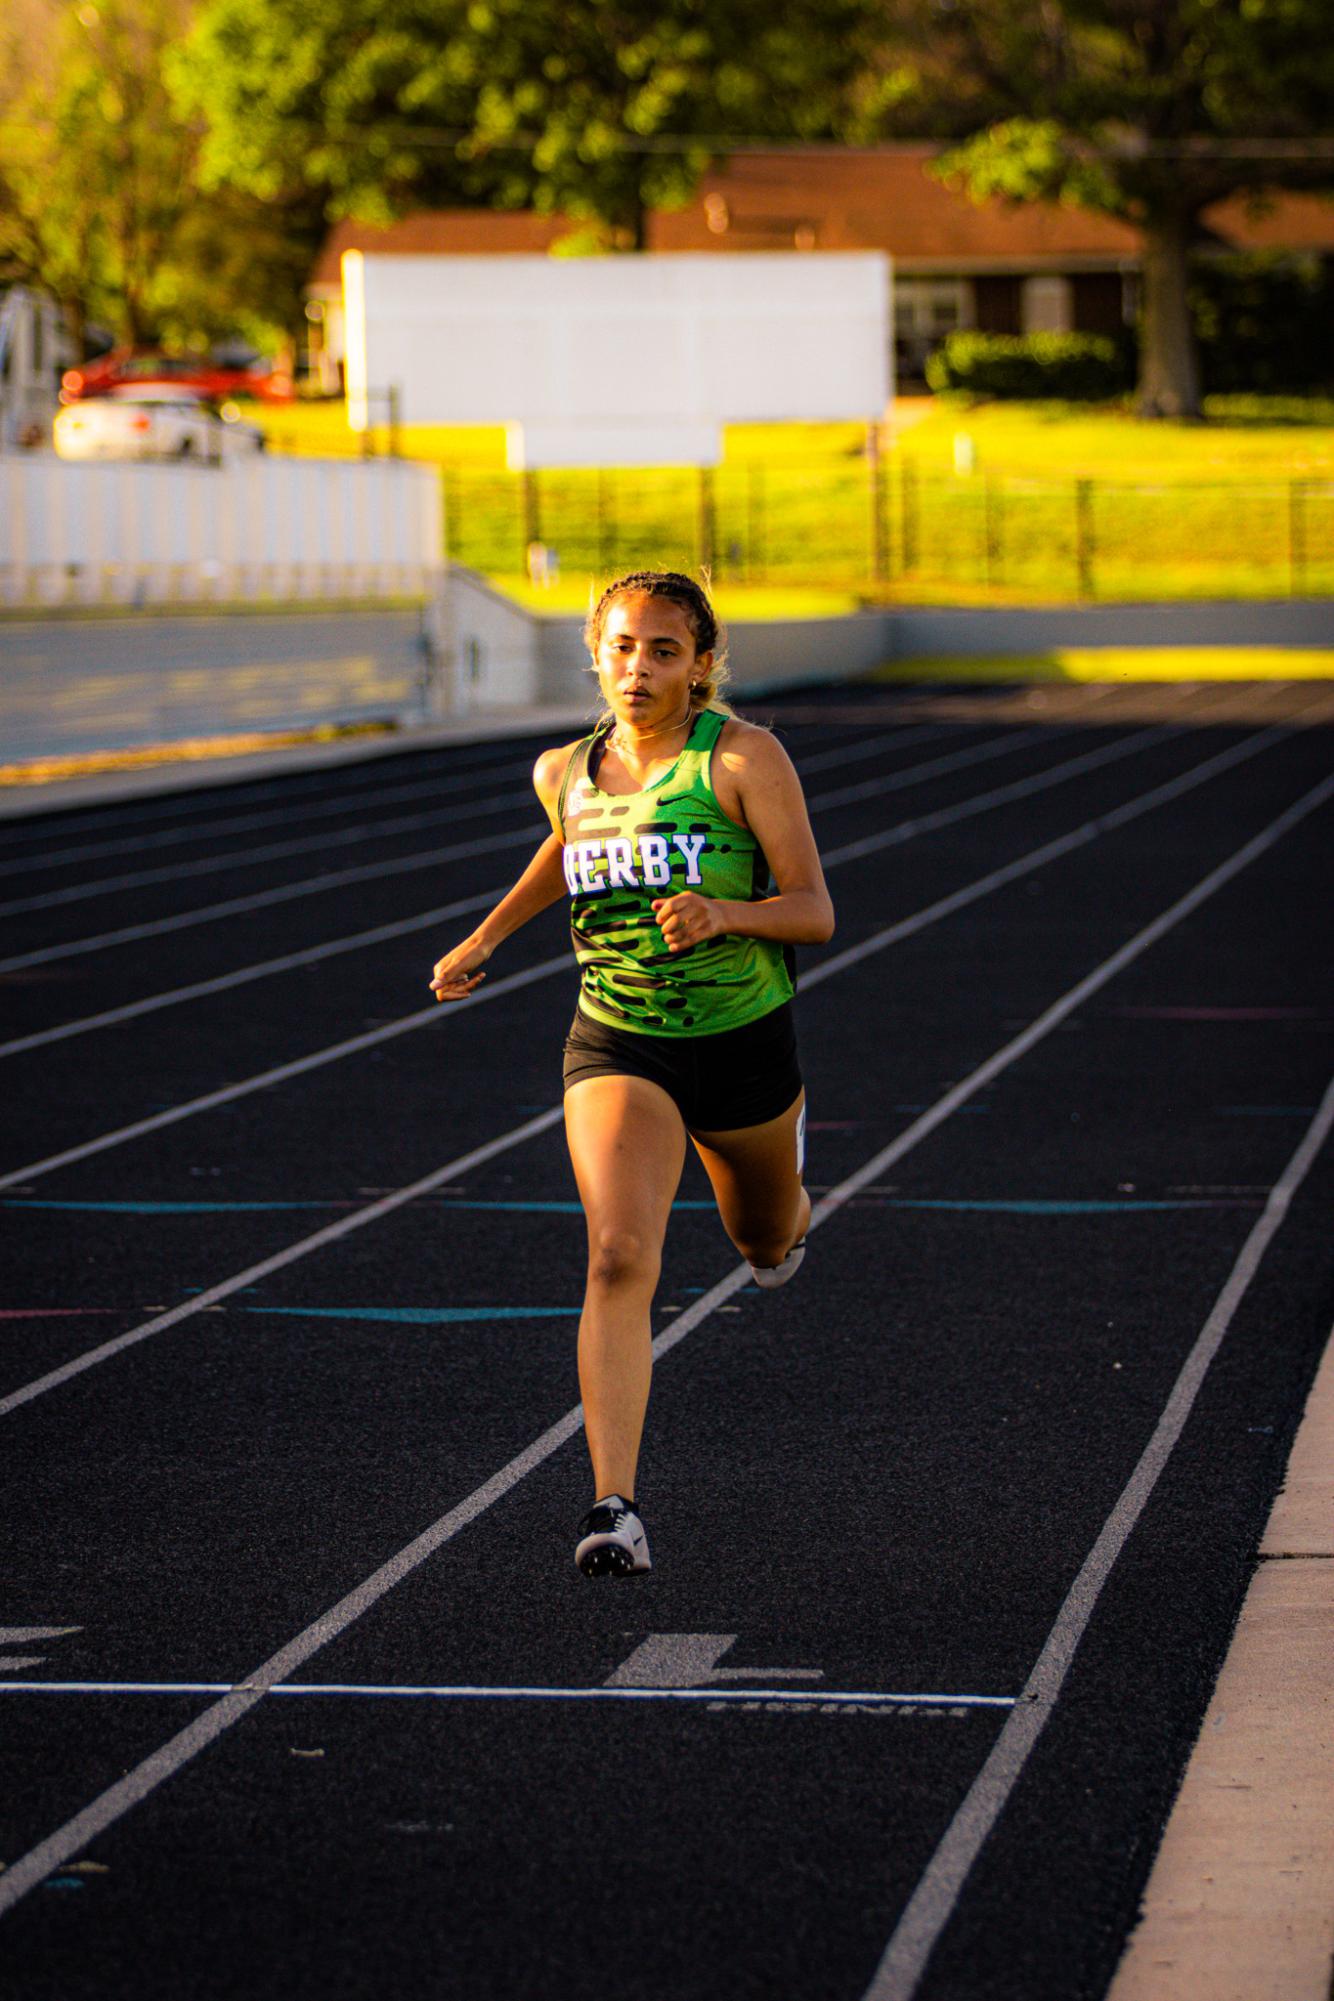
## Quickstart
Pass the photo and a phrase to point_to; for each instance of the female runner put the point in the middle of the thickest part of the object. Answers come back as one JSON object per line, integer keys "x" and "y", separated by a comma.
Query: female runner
{"x": 667, "y": 824}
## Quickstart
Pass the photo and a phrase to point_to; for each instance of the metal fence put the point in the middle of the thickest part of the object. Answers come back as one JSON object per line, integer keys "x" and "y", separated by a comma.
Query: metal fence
{"x": 896, "y": 527}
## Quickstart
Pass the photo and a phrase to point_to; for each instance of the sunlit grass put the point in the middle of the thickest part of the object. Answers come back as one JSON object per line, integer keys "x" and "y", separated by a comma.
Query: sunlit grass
{"x": 1073, "y": 441}
{"x": 1122, "y": 663}
{"x": 1244, "y": 437}
{"x": 572, "y": 594}
{"x": 1002, "y": 503}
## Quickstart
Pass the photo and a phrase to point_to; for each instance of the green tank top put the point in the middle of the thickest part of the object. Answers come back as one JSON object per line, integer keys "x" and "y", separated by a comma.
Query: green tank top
{"x": 624, "y": 849}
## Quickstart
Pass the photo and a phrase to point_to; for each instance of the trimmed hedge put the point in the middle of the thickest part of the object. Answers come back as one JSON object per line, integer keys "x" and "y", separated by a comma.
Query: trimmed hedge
{"x": 1070, "y": 368}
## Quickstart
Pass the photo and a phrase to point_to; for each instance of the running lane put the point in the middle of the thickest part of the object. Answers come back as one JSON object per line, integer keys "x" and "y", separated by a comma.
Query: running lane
{"x": 880, "y": 1482}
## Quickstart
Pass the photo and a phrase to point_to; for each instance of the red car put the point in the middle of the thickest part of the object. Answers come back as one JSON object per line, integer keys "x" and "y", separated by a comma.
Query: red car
{"x": 131, "y": 367}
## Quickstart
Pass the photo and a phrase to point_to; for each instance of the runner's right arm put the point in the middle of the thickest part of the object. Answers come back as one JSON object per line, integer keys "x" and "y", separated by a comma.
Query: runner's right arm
{"x": 541, "y": 884}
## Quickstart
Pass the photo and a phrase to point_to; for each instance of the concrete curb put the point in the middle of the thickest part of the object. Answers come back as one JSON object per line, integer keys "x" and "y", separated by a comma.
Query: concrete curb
{"x": 1240, "y": 1904}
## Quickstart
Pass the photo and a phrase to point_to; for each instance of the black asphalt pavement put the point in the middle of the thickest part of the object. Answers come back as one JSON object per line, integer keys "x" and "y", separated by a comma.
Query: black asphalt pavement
{"x": 476, "y": 1773}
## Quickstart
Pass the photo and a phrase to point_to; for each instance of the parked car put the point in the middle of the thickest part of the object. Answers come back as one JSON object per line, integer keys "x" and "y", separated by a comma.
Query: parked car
{"x": 155, "y": 422}
{"x": 128, "y": 367}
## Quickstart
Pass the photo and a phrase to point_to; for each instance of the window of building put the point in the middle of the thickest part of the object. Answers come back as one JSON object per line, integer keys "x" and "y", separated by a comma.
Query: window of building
{"x": 1047, "y": 305}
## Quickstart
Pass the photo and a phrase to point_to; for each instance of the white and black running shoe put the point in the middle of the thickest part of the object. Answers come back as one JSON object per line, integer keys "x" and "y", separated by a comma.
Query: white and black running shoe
{"x": 770, "y": 1276}
{"x": 612, "y": 1542}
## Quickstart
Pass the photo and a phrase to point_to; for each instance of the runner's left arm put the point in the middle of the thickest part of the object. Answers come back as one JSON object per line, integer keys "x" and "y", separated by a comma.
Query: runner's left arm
{"x": 771, "y": 798}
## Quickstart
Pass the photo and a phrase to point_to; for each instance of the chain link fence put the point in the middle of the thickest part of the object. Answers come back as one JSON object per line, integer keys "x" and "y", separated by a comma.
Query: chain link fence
{"x": 894, "y": 526}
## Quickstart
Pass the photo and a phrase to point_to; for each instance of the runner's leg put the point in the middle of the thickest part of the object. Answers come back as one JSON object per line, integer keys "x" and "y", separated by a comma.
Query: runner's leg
{"x": 756, "y": 1178}
{"x": 627, "y": 1143}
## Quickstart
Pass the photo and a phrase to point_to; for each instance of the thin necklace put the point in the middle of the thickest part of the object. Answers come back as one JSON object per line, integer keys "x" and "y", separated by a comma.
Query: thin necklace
{"x": 647, "y": 736}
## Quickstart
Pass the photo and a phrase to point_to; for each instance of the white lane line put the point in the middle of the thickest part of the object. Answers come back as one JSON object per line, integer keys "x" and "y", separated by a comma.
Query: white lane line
{"x": 203, "y": 798}
{"x": 262, "y": 970}
{"x": 109, "y": 1806}
{"x": 933, "y": 1901}
{"x": 228, "y": 1093}
{"x": 471, "y": 1692}
{"x": 872, "y": 746}
{"x": 1116, "y": 816}
{"x": 276, "y": 851}
{"x": 350, "y": 801}
{"x": 1020, "y": 788}
{"x": 369, "y": 871}
{"x": 262, "y": 899}
{"x": 374, "y": 1212}
{"x": 345, "y": 836}
{"x": 372, "y": 795}
{"x": 954, "y": 760}
{"x": 891, "y": 935}
{"x": 356, "y": 941}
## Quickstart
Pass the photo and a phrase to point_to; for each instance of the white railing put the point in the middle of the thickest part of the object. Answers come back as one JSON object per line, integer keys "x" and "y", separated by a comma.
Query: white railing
{"x": 251, "y": 530}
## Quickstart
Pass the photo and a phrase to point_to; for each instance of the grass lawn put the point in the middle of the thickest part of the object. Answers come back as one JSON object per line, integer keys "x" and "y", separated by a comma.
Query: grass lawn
{"x": 1243, "y": 438}
{"x": 1239, "y": 440}
{"x": 572, "y": 595}
{"x": 1043, "y": 503}
{"x": 1123, "y": 663}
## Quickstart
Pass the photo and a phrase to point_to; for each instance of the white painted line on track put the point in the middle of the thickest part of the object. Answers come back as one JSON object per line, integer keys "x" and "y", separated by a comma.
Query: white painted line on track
{"x": 471, "y": 1692}
{"x": 311, "y": 955}
{"x": 1019, "y": 788}
{"x": 245, "y": 823}
{"x": 891, "y": 935}
{"x": 952, "y": 760}
{"x": 205, "y": 793}
{"x": 357, "y": 796}
{"x": 356, "y": 941}
{"x": 276, "y": 851}
{"x": 374, "y": 1212}
{"x": 228, "y": 1093}
{"x": 873, "y": 746}
{"x": 935, "y": 1897}
{"x": 1117, "y": 816}
{"x": 275, "y": 816}
{"x": 313, "y": 885}
{"x": 288, "y": 892}
{"x": 933, "y": 1901}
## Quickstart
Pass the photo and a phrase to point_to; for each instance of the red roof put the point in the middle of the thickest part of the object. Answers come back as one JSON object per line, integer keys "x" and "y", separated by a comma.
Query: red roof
{"x": 880, "y": 198}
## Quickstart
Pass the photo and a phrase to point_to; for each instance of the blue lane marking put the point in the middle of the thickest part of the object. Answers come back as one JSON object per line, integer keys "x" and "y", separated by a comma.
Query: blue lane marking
{"x": 171, "y": 1208}
{"x": 1267, "y": 1111}
{"x": 248, "y": 1208}
{"x": 1037, "y": 1208}
{"x": 422, "y": 1316}
{"x": 554, "y": 1208}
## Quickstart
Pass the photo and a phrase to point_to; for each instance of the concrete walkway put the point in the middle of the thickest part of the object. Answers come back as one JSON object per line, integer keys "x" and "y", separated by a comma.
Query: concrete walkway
{"x": 1240, "y": 1905}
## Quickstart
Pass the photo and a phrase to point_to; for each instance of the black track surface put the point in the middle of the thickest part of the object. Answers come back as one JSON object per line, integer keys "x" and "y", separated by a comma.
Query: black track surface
{"x": 889, "y": 1473}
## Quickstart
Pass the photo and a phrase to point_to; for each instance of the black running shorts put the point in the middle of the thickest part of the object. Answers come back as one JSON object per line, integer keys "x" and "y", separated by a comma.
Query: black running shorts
{"x": 719, "y": 1083}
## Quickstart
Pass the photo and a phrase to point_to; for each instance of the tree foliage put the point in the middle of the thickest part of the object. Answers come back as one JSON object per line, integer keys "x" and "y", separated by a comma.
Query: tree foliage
{"x": 1147, "y": 110}
{"x": 98, "y": 202}
{"x": 597, "y": 109}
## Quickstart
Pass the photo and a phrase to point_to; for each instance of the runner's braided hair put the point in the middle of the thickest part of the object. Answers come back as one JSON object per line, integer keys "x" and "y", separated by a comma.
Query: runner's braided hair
{"x": 692, "y": 599}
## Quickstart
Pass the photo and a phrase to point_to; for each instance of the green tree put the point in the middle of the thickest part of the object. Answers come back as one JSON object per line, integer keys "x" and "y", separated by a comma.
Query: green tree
{"x": 598, "y": 109}
{"x": 1147, "y": 110}
{"x": 97, "y": 197}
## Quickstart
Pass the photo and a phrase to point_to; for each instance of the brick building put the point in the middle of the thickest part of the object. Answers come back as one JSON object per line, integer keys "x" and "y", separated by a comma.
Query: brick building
{"x": 957, "y": 263}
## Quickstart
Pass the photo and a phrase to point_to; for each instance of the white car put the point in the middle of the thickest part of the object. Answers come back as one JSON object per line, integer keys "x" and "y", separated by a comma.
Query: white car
{"x": 152, "y": 421}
